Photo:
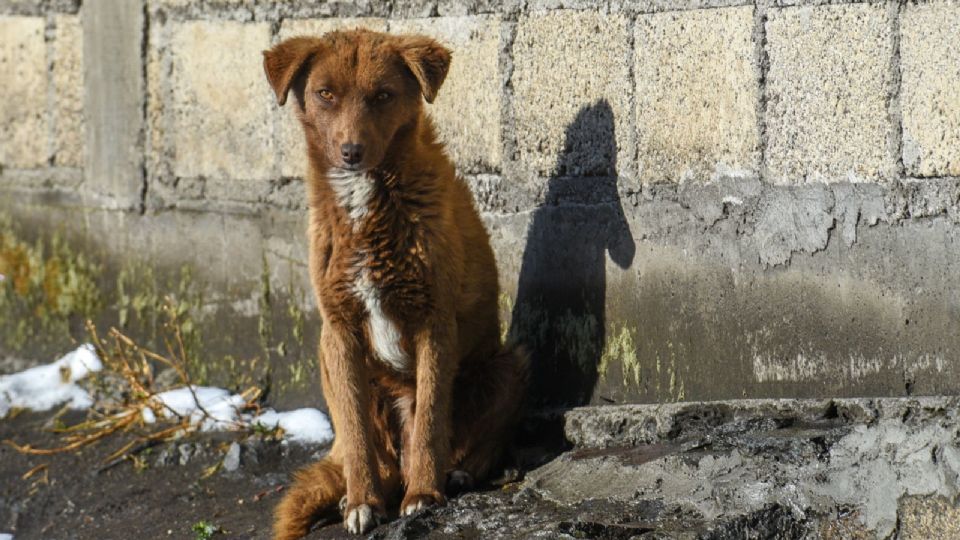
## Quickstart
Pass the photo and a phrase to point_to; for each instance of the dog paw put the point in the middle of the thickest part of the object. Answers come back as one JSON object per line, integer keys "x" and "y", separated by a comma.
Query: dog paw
{"x": 458, "y": 482}
{"x": 414, "y": 503}
{"x": 360, "y": 519}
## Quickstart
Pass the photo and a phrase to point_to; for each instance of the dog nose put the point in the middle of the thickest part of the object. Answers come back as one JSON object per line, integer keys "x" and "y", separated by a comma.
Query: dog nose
{"x": 351, "y": 153}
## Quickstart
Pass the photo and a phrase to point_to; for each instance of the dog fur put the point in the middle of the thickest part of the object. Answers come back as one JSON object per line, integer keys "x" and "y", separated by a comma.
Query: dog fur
{"x": 422, "y": 393}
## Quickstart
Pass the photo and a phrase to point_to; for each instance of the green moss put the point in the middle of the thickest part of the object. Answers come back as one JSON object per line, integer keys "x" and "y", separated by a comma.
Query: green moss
{"x": 296, "y": 319}
{"x": 52, "y": 287}
{"x": 47, "y": 288}
{"x": 288, "y": 354}
{"x": 621, "y": 349}
{"x": 144, "y": 304}
{"x": 576, "y": 338}
{"x": 264, "y": 322}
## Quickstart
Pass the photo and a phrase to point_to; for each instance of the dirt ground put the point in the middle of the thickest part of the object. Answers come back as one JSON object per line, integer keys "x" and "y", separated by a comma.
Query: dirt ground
{"x": 761, "y": 469}
{"x": 166, "y": 495}
{"x": 75, "y": 496}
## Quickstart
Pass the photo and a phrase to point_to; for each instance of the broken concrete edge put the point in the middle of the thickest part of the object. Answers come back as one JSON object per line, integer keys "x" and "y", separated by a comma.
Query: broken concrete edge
{"x": 609, "y": 426}
{"x": 883, "y": 465}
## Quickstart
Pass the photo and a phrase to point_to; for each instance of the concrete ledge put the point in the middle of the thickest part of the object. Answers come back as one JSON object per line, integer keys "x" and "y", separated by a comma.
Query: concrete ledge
{"x": 879, "y": 463}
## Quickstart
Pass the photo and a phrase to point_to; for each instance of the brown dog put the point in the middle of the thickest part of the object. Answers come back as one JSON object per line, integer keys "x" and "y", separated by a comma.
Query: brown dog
{"x": 421, "y": 392}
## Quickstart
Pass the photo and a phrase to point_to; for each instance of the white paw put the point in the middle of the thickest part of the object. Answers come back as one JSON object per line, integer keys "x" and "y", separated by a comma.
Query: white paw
{"x": 413, "y": 508}
{"x": 360, "y": 519}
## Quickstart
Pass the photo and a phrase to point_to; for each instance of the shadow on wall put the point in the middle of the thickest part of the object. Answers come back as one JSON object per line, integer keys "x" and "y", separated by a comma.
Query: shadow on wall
{"x": 559, "y": 312}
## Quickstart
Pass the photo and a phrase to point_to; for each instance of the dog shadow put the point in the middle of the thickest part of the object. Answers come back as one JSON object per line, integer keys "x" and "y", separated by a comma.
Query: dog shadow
{"x": 559, "y": 312}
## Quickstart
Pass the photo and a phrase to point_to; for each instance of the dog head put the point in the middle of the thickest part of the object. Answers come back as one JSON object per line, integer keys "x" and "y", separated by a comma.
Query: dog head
{"x": 356, "y": 90}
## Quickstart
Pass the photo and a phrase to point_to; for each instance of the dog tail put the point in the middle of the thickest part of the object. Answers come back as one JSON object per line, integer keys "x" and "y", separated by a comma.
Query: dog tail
{"x": 316, "y": 491}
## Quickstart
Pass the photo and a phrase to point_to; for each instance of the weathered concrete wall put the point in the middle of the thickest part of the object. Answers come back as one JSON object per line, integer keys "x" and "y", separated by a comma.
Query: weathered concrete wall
{"x": 688, "y": 200}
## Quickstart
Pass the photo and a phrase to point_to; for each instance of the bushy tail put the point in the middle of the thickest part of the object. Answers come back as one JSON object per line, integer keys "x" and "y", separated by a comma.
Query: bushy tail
{"x": 316, "y": 491}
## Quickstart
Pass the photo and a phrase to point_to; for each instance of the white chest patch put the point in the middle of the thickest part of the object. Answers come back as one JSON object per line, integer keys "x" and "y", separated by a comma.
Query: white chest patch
{"x": 353, "y": 191}
{"x": 384, "y": 334}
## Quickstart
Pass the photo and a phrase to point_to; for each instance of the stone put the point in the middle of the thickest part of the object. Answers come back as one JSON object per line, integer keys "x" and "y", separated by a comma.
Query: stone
{"x": 571, "y": 83}
{"x": 23, "y": 94}
{"x": 922, "y": 518}
{"x": 930, "y": 89}
{"x": 467, "y": 109}
{"x": 827, "y": 93}
{"x": 221, "y": 103}
{"x": 697, "y": 94}
{"x": 231, "y": 460}
{"x": 68, "y": 125}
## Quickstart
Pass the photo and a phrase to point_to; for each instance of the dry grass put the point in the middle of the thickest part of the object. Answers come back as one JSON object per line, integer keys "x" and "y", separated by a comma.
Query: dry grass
{"x": 125, "y": 388}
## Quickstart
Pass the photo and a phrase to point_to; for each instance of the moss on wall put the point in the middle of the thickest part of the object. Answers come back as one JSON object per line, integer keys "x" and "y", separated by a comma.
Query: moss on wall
{"x": 47, "y": 290}
{"x": 51, "y": 286}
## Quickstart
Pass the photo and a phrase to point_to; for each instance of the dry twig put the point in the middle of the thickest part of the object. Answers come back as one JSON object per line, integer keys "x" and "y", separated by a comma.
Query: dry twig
{"x": 133, "y": 365}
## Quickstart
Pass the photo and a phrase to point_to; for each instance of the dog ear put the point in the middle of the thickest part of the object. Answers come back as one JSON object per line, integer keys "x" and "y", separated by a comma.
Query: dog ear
{"x": 285, "y": 60}
{"x": 428, "y": 61}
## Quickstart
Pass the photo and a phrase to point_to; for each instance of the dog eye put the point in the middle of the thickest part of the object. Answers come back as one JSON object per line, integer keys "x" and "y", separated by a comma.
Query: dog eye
{"x": 382, "y": 96}
{"x": 325, "y": 94}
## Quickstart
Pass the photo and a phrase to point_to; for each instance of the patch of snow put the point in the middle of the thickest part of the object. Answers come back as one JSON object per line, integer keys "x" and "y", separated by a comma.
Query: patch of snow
{"x": 42, "y": 388}
{"x": 5, "y": 536}
{"x": 730, "y": 199}
{"x": 223, "y": 412}
{"x": 209, "y": 409}
{"x": 303, "y": 425}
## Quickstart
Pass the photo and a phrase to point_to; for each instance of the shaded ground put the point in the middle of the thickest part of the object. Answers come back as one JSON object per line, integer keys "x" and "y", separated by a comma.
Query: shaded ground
{"x": 74, "y": 498}
{"x": 745, "y": 469}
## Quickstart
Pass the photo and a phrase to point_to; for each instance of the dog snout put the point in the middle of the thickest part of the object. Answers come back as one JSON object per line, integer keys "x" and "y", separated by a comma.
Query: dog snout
{"x": 352, "y": 154}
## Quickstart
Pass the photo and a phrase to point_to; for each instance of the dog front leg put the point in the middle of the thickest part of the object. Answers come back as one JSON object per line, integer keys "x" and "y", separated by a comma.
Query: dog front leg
{"x": 429, "y": 446}
{"x": 348, "y": 393}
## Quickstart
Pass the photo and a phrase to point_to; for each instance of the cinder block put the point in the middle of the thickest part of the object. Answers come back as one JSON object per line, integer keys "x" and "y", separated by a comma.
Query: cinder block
{"x": 930, "y": 88}
{"x": 221, "y": 104}
{"x": 827, "y": 92}
{"x": 467, "y": 110}
{"x": 23, "y": 93}
{"x": 318, "y": 27}
{"x": 68, "y": 125}
{"x": 291, "y": 145}
{"x": 572, "y": 90}
{"x": 697, "y": 94}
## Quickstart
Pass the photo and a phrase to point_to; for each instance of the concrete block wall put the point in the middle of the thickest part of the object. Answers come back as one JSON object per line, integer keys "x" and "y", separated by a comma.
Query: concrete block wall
{"x": 688, "y": 200}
